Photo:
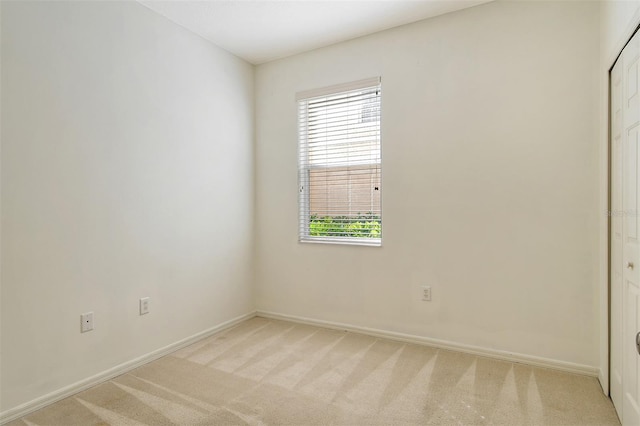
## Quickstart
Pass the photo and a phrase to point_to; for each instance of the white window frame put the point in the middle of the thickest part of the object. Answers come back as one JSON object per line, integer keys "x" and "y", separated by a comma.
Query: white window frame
{"x": 304, "y": 167}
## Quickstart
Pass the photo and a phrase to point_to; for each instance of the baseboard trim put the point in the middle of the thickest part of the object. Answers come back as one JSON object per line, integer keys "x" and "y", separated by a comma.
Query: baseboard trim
{"x": 442, "y": 344}
{"x": 50, "y": 398}
{"x": 604, "y": 383}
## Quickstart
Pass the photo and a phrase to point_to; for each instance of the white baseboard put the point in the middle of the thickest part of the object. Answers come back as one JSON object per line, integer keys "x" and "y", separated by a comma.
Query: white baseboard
{"x": 50, "y": 398}
{"x": 442, "y": 344}
{"x": 603, "y": 379}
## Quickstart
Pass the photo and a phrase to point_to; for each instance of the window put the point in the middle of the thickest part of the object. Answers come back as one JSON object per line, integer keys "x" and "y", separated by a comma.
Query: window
{"x": 339, "y": 169}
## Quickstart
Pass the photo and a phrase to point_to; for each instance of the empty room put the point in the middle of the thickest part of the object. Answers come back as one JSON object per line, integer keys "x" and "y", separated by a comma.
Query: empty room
{"x": 347, "y": 212}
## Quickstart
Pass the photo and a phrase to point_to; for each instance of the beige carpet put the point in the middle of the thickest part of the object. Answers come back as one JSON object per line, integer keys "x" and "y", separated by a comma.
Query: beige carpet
{"x": 274, "y": 372}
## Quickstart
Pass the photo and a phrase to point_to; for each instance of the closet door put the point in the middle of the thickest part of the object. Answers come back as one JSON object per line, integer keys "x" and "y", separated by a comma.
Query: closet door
{"x": 625, "y": 280}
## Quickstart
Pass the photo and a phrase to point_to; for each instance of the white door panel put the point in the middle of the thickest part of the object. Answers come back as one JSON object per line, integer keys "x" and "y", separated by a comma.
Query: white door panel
{"x": 625, "y": 230}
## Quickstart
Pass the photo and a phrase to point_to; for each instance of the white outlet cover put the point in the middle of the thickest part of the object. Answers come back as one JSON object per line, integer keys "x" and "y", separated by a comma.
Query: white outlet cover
{"x": 86, "y": 322}
{"x": 144, "y": 305}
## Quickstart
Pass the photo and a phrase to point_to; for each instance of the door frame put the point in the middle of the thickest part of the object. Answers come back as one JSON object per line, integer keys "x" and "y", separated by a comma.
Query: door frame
{"x": 610, "y": 59}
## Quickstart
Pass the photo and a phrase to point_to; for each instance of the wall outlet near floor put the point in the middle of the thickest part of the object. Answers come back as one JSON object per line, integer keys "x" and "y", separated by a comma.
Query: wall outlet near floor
{"x": 144, "y": 305}
{"x": 426, "y": 293}
{"x": 86, "y": 322}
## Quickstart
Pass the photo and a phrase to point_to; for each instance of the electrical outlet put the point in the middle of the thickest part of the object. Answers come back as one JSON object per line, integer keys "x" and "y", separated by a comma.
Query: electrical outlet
{"x": 426, "y": 294}
{"x": 144, "y": 305}
{"x": 86, "y": 322}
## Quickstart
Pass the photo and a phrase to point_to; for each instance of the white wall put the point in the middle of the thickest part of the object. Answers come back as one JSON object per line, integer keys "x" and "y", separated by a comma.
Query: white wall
{"x": 127, "y": 171}
{"x": 490, "y": 164}
{"x": 618, "y": 20}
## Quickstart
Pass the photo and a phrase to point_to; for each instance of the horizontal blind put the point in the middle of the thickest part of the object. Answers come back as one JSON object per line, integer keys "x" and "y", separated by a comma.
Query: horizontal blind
{"x": 339, "y": 164}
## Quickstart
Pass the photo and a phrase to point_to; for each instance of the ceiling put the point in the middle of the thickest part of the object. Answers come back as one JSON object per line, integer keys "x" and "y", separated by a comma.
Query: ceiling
{"x": 263, "y": 30}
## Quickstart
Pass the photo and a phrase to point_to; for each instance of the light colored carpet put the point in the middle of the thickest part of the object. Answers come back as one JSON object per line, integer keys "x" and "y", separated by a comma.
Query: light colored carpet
{"x": 274, "y": 372}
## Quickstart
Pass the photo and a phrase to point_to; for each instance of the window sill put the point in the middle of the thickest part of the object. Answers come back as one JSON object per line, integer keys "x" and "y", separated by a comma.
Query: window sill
{"x": 367, "y": 242}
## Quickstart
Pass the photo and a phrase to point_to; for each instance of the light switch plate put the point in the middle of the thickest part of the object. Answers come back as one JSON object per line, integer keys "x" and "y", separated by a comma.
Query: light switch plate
{"x": 144, "y": 305}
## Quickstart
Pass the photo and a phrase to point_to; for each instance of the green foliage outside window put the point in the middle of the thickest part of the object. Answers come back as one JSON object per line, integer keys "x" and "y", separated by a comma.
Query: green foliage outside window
{"x": 360, "y": 226}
